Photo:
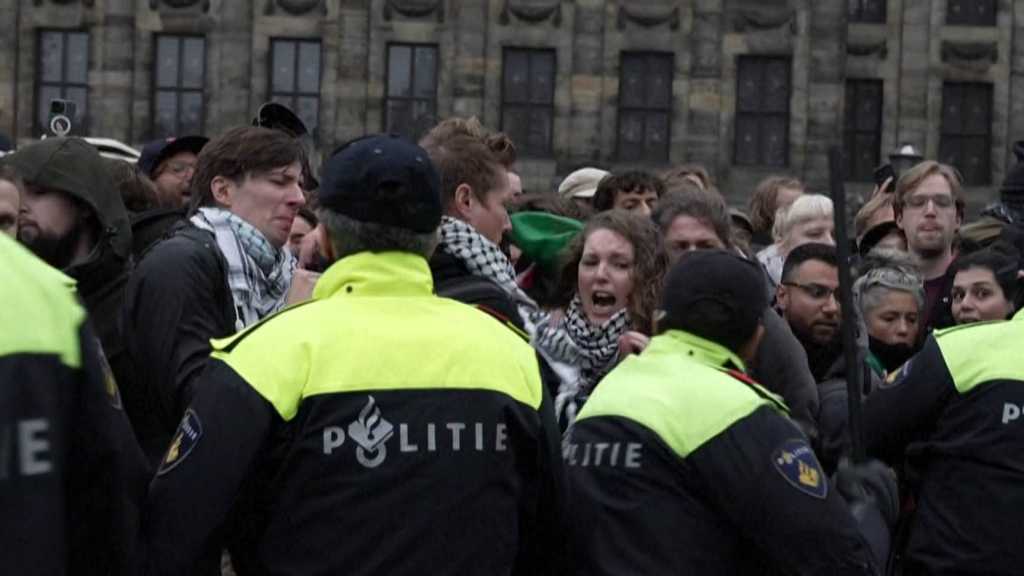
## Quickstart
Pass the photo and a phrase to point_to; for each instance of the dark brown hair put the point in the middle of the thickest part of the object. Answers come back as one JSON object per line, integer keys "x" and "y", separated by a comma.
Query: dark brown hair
{"x": 677, "y": 173}
{"x": 632, "y": 181}
{"x": 239, "y": 153}
{"x": 765, "y": 201}
{"x": 649, "y": 264}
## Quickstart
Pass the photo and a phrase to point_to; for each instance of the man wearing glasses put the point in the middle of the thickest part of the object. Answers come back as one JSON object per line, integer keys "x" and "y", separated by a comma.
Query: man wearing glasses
{"x": 170, "y": 163}
{"x": 808, "y": 299}
{"x": 929, "y": 210}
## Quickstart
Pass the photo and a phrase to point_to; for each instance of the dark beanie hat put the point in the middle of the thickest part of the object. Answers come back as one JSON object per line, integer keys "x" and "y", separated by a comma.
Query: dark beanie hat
{"x": 716, "y": 295}
{"x": 383, "y": 179}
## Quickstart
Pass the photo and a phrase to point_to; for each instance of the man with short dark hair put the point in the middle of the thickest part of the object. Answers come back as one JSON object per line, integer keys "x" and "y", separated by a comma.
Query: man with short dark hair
{"x": 403, "y": 432}
{"x": 634, "y": 191}
{"x": 681, "y": 464}
{"x": 808, "y": 297}
{"x": 225, "y": 269}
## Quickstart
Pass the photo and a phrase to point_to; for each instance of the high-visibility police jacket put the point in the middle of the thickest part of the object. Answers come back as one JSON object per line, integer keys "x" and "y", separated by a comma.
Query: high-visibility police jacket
{"x": 377, "y": 429}
{"x": 71, "y": 476}
{"x": 679, "y": 464}
{"x": 955, "y": 412}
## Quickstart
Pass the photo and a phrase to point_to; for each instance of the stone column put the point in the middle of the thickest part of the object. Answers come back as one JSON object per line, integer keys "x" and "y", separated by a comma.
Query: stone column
{"x": 116, "y": 36}
{"x": 229, "y": 70}
{"x": 705, "y": 97}
{"x": 469, "y": 20}
{"x": 825, "y": 89}
{"x": 587, "y": 83}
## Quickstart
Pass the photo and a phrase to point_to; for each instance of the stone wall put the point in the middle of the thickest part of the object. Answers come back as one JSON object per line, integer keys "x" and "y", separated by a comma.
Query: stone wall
{"x": 913, "y": 54}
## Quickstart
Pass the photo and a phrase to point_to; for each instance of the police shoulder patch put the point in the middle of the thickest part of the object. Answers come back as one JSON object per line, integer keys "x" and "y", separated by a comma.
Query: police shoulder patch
{"x": 190, "y": 430}
{"x": 796, "y": 462}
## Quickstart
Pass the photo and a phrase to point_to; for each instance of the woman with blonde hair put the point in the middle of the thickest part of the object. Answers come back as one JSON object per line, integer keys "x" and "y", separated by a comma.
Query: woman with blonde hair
{"x": 808, "y": 219}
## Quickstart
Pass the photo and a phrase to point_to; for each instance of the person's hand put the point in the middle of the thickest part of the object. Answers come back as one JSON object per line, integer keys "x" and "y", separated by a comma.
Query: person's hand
{"x": 884, "y": 188}
{"x": 302, "y": 286}
{"x": 632, "y": 343}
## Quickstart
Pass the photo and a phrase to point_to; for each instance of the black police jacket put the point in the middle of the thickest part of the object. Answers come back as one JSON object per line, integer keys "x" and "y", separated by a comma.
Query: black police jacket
{"x": 953, "y": 413}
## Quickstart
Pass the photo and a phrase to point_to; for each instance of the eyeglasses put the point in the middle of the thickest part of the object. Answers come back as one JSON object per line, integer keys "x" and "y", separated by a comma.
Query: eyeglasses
{"x": 921, "y": 200}
{"x": 179, "y": 168}
{"x": 815, "y": 291}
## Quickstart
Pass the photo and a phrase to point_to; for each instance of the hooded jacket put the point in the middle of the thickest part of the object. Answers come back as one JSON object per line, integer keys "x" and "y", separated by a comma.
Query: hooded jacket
{"x": 75, "y": 167}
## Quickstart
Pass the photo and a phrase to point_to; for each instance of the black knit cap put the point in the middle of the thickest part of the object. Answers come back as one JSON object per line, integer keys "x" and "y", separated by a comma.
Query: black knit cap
{"x": 383, "y": 179}
{"x": 715, "y": 294}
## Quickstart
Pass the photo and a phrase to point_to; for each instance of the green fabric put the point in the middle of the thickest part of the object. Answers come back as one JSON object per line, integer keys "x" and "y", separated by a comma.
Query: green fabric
{"x": 375, "y": 324}
{"x": 983, "y": 352}
{"x": 542, "y": 237}
{"x": 678, "y": 388}
{"x": 39, "y": 313}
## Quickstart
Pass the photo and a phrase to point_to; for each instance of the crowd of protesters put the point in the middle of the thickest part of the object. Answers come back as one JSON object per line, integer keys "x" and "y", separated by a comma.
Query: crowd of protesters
{"x": 252, "y": 315}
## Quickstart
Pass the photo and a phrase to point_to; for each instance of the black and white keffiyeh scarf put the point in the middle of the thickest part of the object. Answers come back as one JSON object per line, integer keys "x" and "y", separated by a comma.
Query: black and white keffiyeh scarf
{"x": 259, "y": 275}
{"x": 572, "y": 339}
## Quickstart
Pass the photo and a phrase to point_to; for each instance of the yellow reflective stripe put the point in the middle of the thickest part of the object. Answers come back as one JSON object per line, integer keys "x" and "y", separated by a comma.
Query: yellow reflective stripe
{"x": 38, "y": 313}
{"x": 983, "y": 352}
{"x": 350, "y": 344}
{"x": 684, "y": 401}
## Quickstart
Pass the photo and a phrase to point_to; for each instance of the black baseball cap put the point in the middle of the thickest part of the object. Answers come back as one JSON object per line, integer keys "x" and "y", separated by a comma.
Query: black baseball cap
{"x": 715, "y": 294}
{"x": 383, "y": 179}
{"x": 155, "y": 152}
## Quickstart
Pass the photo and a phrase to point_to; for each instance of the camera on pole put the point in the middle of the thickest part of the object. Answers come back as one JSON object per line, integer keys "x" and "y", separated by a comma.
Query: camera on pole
{"x": 61, "y": 114}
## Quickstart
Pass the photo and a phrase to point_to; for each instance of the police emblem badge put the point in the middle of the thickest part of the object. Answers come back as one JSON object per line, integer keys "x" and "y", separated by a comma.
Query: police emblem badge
{"x": 190, "y": 430}
{"x": 796, "y": 462}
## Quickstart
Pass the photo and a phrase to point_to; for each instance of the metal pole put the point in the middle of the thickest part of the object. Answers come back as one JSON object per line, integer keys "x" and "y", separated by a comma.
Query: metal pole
{"x": 854, "y": 365}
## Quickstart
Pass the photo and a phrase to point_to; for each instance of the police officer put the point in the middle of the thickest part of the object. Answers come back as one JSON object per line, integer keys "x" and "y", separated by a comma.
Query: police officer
{"x": 680, "y": 464}
{"x": 71, "y": 475}
{"x": 378, "y": 429}
{"x": 954, "y": 414}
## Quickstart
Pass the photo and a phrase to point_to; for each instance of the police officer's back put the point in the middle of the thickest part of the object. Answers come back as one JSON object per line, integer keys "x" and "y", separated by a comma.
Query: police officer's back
{"x": 71, "y": 475}
{"x": 377, "y": 429}
{"x": 679, "y": 464}
{"x": 955, "y": 415}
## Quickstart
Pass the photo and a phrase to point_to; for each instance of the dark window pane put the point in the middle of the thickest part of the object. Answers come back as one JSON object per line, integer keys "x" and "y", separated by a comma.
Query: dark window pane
{"x": 78, "y": 58}
{"x": 542, "y": 78}
{"x": 399, "y": 116}
{"x": 191, "y": 113}
{"x": 283, "y": 79}
{"x": 286, "y": 99}
{"x": 515, "y": 121}
{"x": 539, "y": 138}
{"x": 166, "y": 114}
{"x": 166, "y": 62}
{"x": 80, "y": 98}
{"x": 975, "y": 165}
{"x": 977, "y": 110}
{"x": 747, "y": 140}
{"x": 309, "y": 67}
{"x": 517, "y": 82}
{"x": 51, "y": 54}
{"x": 632, "y": 82}
{"x": 865, "y": 156}
{"x": 425, "y": 70}
{"x": 867, "y": 11}
{"x": 659, "y": 85}
{"x": 631, "y": 135}
{"x": 308, "y": 110}
{"x": 424, "y": 117}
{"x": 971, "y": 12}
{"x": 46, "y": 94}
{"x": 399, "y": 68}
{"x": 774, "y": 140}
{"x": 952, "y": 117}
{"x": 194, "y": 58}
{"x": 657, "y": 135}
{"x": 776, "y": 81}
{"x": 748, "y": 86}
{"x": 868, "y": 106}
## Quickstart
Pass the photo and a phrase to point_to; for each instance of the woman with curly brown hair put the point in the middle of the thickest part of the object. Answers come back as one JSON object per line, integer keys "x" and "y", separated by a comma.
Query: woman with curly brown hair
{"x": 607, "y": 295}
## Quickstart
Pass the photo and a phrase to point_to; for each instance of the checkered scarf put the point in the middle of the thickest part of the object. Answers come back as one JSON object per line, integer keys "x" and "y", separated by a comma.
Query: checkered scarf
{"x": 259, "y": 275}
{"x": 593, "y": 349}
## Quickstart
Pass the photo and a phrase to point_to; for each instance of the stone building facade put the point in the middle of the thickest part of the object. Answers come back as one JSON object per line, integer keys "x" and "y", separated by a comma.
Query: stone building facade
{"x": 746, "y": 88}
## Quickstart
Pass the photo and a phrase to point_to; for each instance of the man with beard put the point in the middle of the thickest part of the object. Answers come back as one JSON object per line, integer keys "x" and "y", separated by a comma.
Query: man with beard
{"x": 74, "y": 219}
{"x": 929, "y": 210}
{"x": 808, "y": 298}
